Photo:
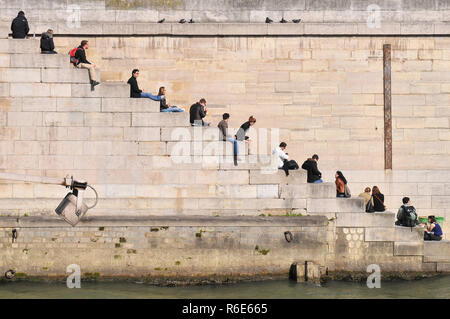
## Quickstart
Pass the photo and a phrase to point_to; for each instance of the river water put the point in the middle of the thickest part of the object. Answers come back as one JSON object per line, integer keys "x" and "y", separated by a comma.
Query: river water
{"x": 437, "y": 287}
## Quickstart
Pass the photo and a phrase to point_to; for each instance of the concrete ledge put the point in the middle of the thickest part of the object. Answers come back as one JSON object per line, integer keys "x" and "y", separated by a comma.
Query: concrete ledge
{"x": 139, "y": 221}
{"x": 408, "y": 248}
{"x": 365, "y": 220}
{"x": 249, "y": 29}
{"x": 437, "y": 251}
{"x": 396, "y": 234}
{"x": 336, "y": 205}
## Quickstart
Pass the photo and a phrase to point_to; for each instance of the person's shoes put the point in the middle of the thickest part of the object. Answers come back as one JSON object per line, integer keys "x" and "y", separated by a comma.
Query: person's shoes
{"x": 296, "y": 20}
{"x": 94, "y": 83}
{"x": 268, "y": 20}
{"x": 283, "y": 21}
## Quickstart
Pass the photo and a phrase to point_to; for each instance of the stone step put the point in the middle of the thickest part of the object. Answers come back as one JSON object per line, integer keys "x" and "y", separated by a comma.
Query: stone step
{"x": 362, "y": 219}
{"x": 160, "y": 119}
{"x": 105, "y": 89}
{"x": 207, "y": 148}
{"x": 337, "y": 205}
{"x": 170, "y": 134}
{"x": 70, "y": 75}
{"x": 20, "y": 75}
{"x": 127, "y": 104}
{"x": 20, "y": 46}
{"x": 436, "y": 251}
{"x": 39, "y": 90}
{"x": 394, "y": 233}
{"x": 271, "y": 176}
{"x": 308, "y": 190}
{"x": 49, "y": 61}
{"x": 408, "y": 248}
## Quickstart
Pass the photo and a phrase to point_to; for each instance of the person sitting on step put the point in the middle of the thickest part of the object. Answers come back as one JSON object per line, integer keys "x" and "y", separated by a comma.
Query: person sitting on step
{"x": 47, "y": 45}
{"x": 135, "y": 92}
{"x": 283, "y": 159}
{"x": 310, "y": 165}
{"x": 434, "y": 231}
{"x": 19, "y": 26}
{"x": 197, "y": 112}
{"x": 406, "y": 215}
{"x": 163, "y": 106}
{"x": 83, "y": 63}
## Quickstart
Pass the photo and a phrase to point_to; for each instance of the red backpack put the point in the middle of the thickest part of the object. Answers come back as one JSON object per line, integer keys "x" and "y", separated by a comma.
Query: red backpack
{"x": 73, "y": 59}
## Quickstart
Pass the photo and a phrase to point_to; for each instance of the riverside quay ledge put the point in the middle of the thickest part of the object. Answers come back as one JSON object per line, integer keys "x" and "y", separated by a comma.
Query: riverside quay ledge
{"x": 366, "y": 88}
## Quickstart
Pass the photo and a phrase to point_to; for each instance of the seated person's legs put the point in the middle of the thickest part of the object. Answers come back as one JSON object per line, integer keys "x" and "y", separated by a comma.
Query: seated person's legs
{"x": 319, "y": 181}
{"x": 151, "y": 96}
{"x": 173, "y": 109}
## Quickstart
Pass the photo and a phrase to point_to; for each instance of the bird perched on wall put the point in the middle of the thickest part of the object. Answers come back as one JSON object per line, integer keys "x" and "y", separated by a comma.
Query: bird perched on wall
{"x": 162, "y": 20}
{"x": 296, "y": 20}
{"x": 191, "y": 21}
{"x": 182, "y": 21}
{"x": 268, "y": 20}
{"x": 283, "y": 21}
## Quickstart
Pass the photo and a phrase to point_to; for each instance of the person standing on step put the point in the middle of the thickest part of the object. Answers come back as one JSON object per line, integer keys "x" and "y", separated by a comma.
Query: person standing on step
{"x": 197, "y": 112}
{"x": 82, "y": 63}
{"x": 310, "y": 165}
{"x": 135, "y": 92}
{"x": 378, "y": 200}
{"x": 223, "y": 132}
{"x": 434, "y": 231}
{"x": 47, "y": 45}
{"x": 19, "y": 26}
{"x": 163, "y": 106}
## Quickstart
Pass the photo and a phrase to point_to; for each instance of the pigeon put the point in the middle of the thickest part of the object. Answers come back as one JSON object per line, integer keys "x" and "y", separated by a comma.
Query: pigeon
{"x": 162, "y": 20}
{"x": 283, "y": 21}
{"x": 296, "y": 20}
{"x": 182, "y": 21}
{"x": 268, "y": 20}
{"x": 191, "y": 21}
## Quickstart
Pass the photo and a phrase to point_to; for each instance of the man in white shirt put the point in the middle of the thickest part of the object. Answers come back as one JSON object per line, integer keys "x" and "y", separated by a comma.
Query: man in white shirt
{"x": 282, "y": 157}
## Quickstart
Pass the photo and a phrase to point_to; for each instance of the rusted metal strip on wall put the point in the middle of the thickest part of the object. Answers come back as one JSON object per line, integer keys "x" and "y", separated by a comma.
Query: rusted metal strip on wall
{"x": 387, "y": 106}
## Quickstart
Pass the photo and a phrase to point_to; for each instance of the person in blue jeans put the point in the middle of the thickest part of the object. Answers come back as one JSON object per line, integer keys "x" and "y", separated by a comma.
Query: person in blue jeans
{"x": 163, "y": 106}
{"x": 223, "y": 131}
{"x": 434, "y": 231}
{"x": 135, "y": 92}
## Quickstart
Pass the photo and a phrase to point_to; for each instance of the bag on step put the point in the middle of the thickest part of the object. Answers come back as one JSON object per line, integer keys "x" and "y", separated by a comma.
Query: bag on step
{"x": 292, "y": 164}
{"x": 369, "y": 206}
{"x": 347, "y": 192}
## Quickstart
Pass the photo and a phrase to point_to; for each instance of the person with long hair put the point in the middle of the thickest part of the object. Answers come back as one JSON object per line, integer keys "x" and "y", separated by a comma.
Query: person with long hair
{"x": 434, "y": 231}
{"x": 163, "y": 106}
{"x": 378, "y": 199}
{"x": 366, "y": 195}
{"x": 340, "y": 184}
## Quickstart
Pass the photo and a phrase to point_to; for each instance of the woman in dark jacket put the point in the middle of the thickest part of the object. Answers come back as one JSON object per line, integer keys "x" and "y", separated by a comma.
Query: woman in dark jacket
{"x": 163, "y": 106}
{"x": 378, "y": 200}
{"x": 240, "y": 135}
{"x": 340, "y": 184}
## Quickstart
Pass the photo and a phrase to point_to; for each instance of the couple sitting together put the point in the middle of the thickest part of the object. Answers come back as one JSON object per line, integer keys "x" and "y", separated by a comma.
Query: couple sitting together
{"x": 135, "y": 92}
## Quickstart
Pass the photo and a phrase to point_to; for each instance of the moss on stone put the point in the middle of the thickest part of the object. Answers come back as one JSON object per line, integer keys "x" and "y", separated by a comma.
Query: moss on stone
{"x": 122, "y": 240}
{"x": 131, "y": 251}
{"x": 154, "y": 229}
{"x": 101, "y": 228}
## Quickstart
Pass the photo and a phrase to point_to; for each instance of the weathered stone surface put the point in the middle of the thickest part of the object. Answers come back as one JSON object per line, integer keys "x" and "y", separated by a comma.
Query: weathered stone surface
{"x": 408, "y": 249}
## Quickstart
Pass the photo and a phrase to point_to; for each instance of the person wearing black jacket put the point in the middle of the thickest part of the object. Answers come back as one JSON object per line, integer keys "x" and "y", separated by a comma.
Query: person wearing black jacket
{"x": 135, "y": 92}
{"x": 197, "y": 112}
{"x": 19, "y": 26}
{"x": 47, "y": 45}
{"x": 310, "y": 165}
{"x": 83, "y": 63}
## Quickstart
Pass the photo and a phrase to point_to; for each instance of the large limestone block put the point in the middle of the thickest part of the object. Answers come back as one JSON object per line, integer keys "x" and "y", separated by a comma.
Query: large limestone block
{"x": 190, "y": 134}
{"x": 4, "y": 31}
{"x": 160, "y": 119}
{"x": 59, "y": 61}
{"x": 337, "y": 205}
{"x": 40, "y": 90}
{"x": 142, "y": 134}
{"x": 66, "y": 76}
{"x": 19, "y": 46}
{"x": 105, "y": 89}
{"x": 271, "y": 176}
{"x": 365, "y": 219}
{"x": 20, "y": 75}
{"x": 129, "y": 105}
{"x": 437, "y": 251}
{"x": 4, "y": 89}
{"x": 207, "y": 148}
{"x": 78, "y": 104}
{"x": 394, "y": 233}
{"x": 408, "y": 248}
{"x": 308, "y": 190}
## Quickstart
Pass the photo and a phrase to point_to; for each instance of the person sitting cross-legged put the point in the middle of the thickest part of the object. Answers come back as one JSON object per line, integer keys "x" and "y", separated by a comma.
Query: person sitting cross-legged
{"x": 135, "y": 92}
{"x": 163, "y": 106}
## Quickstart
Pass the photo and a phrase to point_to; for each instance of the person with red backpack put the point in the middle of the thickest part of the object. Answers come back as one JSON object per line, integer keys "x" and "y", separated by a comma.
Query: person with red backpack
{"x": 78, "y": 58}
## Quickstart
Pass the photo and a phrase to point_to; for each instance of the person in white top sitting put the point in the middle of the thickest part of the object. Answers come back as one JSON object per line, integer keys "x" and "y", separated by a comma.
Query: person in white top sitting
{"x": 283, "y": 161}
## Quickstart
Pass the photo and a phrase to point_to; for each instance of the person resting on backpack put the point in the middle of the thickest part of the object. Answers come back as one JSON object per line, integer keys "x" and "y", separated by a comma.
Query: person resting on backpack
{"x": 283, "y": 159}
{"x": 434, "y": 231}
{"x": 406, "y": 215}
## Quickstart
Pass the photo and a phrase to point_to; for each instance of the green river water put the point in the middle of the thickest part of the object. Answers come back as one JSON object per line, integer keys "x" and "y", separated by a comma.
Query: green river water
{"x": 437, "y": 287}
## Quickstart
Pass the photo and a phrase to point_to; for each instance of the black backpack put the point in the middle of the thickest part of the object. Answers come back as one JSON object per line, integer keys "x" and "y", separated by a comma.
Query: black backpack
{"x": 292, "y": 164}
{"x": 409, "y": 216}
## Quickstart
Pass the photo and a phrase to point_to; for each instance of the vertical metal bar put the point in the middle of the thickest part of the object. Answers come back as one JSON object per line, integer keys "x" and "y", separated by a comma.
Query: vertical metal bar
{"x": 387, "y": 106}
